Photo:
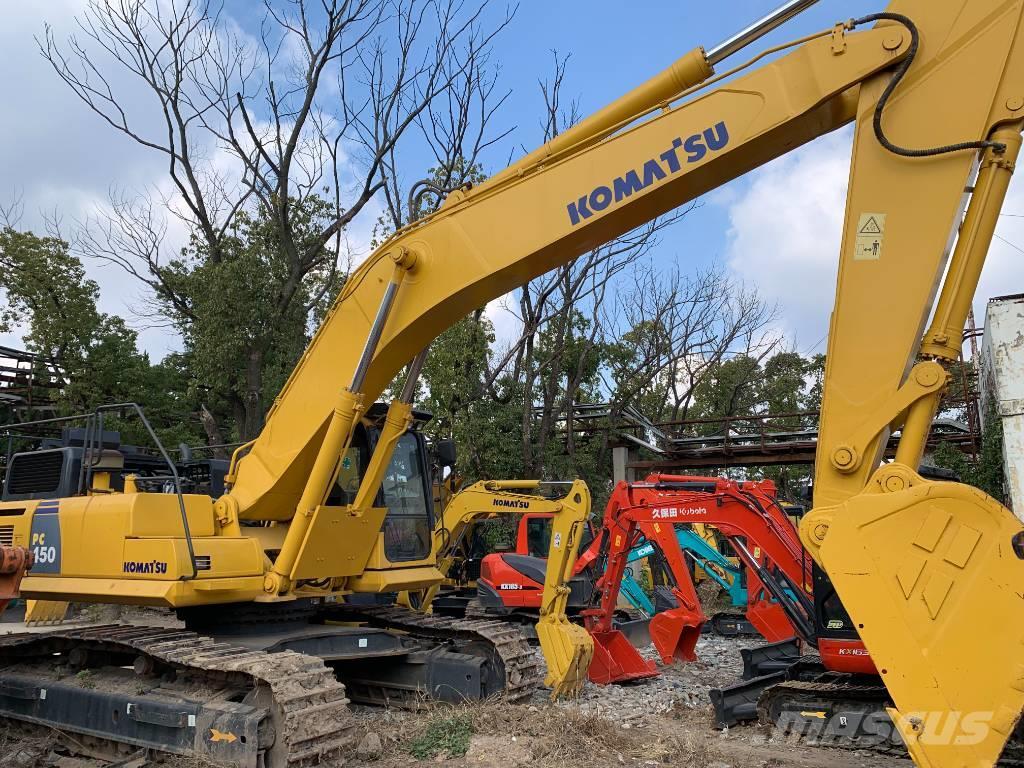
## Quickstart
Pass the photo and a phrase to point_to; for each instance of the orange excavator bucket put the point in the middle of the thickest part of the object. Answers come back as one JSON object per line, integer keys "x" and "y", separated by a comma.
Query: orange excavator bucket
{"x": 14, "y": 562}
{"x": 675, "y": 633}
{"x": 616, "y": 660}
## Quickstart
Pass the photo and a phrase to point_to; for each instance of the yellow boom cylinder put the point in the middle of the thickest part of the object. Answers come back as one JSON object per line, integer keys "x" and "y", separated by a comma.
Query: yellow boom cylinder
{"x": 687, "y": 71}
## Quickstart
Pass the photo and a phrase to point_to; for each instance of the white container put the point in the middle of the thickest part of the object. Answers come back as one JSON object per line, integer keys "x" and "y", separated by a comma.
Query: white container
{"x": 1002, "y": 386}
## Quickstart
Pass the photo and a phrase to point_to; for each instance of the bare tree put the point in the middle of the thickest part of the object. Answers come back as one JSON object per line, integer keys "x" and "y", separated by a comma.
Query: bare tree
{"x": 561, "y": 325}
{"x": 675, "y": 327}
{"x": 300, "y": 125}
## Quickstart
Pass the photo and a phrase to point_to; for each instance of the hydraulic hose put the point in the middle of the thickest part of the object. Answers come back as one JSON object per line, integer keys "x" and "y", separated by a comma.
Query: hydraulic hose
{"x": 898, "y": 75}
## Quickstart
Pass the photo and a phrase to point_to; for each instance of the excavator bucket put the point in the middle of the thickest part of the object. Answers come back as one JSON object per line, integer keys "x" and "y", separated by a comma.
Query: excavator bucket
{"x": 675, "y": 633}
{"x": 14, "y": 562}
{"x": 568, "y": 650}
{"x": 44, "y": 612}
{"x": 769, "y": 619}
{"x": 933, "y": 575}
{"x": 616, "y": 660}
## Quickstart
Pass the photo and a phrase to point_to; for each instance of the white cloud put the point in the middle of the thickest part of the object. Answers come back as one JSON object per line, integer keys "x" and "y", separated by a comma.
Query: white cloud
{"x": 507, "y": 325}
{"x": 784, "y": 233}
{"x": 785, "y": 230}
{"x": 59, "y": 157}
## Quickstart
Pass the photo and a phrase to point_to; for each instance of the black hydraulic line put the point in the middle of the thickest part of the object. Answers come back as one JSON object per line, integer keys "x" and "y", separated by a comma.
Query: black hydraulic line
{"x": 801, "y": 623}
{"x": 170, "y": 465}
{"x": 801, "y": 595}
{"x": 898, "y": 75}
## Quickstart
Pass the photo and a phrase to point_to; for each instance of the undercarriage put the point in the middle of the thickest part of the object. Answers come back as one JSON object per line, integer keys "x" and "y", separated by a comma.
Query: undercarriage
{"x": 271, "y": 694}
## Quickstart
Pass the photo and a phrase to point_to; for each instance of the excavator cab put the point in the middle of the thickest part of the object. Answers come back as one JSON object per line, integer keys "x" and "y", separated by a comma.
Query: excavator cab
{"x": 510, "y": 584}
{"x": 406, "y": 490}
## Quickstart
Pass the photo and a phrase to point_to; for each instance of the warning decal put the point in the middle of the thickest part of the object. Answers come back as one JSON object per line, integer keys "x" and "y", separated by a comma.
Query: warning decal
{"x": 870, "y": 236}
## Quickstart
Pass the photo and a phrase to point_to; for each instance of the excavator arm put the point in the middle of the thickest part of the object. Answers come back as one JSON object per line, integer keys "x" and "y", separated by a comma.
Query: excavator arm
{"x": 567, "y": 647}
{"x": 930, "y": 572}
{"x": 749, "y": 519}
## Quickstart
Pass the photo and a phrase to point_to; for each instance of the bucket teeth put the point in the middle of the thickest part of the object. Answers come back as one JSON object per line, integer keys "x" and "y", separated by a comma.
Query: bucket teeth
{"x": 40, "y": 612}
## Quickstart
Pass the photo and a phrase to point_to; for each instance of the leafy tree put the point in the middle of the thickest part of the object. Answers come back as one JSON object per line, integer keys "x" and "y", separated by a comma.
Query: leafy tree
{"x": 95, "y": 354}
{"x": 47, "y": 293}
{"x": 987, "y": 472}
{"x": 730, "y": 388}
{"x": 243, "y": 311}
{"x": 816, "y": 377}
{"x": 484, "y": 428}
{"x": 783, "y": 386}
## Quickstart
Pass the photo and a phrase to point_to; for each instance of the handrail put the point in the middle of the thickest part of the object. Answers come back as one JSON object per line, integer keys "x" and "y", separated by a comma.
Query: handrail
{"x": 94, "y": 436}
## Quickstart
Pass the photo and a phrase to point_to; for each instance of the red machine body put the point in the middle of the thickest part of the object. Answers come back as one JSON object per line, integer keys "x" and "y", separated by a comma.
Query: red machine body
{"x": 748, "y": 516}
{"x": 513, "y": 581}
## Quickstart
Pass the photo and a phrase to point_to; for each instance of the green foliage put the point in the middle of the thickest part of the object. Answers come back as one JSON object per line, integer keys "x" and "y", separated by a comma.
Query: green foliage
{"x": 816, "y": 375}
{"x": 97, "y": 354}
{"x": 485, "y": 429}
{"x": 47, "y": 292}
{"x": 245, "y": 307}
{"x": 633, "y": 384}
{"x": 567, "y": 357}
{"x": 987, "y": 472}
{"x": 446, "y": 735}
{"x": 785, "y": 383}
{"x": 730, "y": 388}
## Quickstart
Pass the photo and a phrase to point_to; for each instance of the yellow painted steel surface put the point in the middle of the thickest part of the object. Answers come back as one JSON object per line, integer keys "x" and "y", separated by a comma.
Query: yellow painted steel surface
{"x": 927, "y": 572}
{"x": 338, "y": 544}
{"x": 477, "y": 247}
{"x": 130, "y": 548}
{"x": 568, "y": 648}
{"x": 38, "y": 612}
{"x": 948, "y": 633}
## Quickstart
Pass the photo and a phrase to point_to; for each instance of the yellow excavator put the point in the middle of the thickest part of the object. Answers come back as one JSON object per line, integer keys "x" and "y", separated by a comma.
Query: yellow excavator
{"x": 931, "y": 573}
{"x": 567, "y": 647}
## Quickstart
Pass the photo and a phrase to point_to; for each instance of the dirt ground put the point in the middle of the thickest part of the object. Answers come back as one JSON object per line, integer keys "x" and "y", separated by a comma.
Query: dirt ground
{"x": 660, "y": 722}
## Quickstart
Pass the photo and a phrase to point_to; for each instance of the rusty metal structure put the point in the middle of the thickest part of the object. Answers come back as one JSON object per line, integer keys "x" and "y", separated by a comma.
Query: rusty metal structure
{"x": 28, "y": 386}
{"x": 748, "y": 440}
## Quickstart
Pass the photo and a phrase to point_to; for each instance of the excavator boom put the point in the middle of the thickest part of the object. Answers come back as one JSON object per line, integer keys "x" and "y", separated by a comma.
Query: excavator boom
{"x": 931, "y": 573}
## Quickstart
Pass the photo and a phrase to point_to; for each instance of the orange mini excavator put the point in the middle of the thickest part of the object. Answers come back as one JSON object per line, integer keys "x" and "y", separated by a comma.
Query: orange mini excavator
{"x": 747, "y": 516}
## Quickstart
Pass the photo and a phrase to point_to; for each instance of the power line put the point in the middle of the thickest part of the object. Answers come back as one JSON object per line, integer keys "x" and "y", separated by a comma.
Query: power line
{"x": 1015, "y": 247}
{"x": 811, "y": 350}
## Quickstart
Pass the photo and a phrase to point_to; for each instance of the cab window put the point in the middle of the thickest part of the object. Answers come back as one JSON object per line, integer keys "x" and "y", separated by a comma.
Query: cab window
{"x": 538, "y": 536}
{"x": 408, "y": 523}
{"x": 350, "y": 472}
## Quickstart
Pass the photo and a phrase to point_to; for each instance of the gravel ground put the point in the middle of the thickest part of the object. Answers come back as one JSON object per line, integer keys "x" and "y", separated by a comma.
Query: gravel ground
{"x": 679, "y": 687}
{"x": 660, "y": 721}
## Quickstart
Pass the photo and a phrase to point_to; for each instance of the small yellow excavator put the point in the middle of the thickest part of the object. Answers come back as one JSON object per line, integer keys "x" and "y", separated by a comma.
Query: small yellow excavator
{"x": 327, "y": 514}
{"x": 567, "y": 647}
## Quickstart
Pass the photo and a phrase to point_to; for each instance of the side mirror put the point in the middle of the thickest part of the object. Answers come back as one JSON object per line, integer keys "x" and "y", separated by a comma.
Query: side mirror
{"x": 445, "y": 453}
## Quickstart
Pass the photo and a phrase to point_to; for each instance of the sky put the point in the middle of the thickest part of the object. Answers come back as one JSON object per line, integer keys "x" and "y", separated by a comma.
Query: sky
{"x": 776, "y": 228}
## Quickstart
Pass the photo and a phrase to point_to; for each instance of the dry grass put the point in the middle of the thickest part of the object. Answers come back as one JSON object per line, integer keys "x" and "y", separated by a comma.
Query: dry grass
{"x": 552, "y": 736}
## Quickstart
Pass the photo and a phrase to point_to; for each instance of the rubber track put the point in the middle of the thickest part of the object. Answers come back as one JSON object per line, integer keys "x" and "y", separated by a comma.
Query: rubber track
{"x": 837, "y": 693}
{"x": 1013, "y": 754}
{"x": 474, "y": 610}
{"x": 300, "y": 684}
{"x": 523, "y": 673}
